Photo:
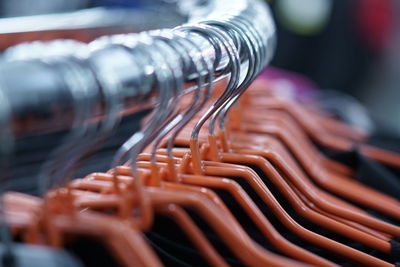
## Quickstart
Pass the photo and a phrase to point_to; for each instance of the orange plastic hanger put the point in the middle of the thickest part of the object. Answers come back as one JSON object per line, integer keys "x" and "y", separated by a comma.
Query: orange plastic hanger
{"x": 331, "y": 181}
{"x": 259, "y": 255}
{"x": 372, "y": 243}
{"x": 391, "y": 205}
{"x": 262, "y": 89}
{"x": 325, "y": 138}
{"x": 197, "y": 168}
{"x": 315, "y": 239}
{"x": 226, "y": 228}
{"x": 25, "y": 214}
{"x": 181, "y": 143}
{"x": 199, "y": 164}
{"x": 309, "y": 190}
{"x": 51, "y": 220}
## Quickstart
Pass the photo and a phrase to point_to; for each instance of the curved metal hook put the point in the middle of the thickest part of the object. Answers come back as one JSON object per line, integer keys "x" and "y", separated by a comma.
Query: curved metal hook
{"x": 250, "y": 69}
{"x": 181, "y": 56}
{"x": 50, "y": 173}
{"x": 204, "y": 65}
{"x": 135, "y": 143}
{"x": 229, "y": 46}
{"x": 256, "y": 57}
{"x": 253, "y": 64}
{"x": 94, "y": 132}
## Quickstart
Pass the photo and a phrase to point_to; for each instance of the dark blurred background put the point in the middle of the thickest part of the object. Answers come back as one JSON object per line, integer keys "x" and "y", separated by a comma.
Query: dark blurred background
{"x": 350, "y": 46}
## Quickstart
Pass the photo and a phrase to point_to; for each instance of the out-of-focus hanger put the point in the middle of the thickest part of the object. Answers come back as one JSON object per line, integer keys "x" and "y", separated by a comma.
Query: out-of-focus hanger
{"x": 335, "y": 183}
{"x": 323, "y": 136}
{"x": 263, "y": 103}
{"x": 326, "y": 120}
{"x": 48, "y": 221}
{"x": 393, "y": 202}
{"x": 6, "y": 149}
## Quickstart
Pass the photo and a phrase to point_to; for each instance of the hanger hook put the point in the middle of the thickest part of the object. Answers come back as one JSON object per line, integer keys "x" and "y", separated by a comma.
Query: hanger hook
{"x": 252, "y": 68}
{"x": 192, "y": 54}
{"x": 225, "y": 41}
{"x": 51, "y": 174}
{"x": 143, "y": 49}
{"x": 202, "y": 64}
{"x": 256, "y": 56}
{"x": 179, "y": 56}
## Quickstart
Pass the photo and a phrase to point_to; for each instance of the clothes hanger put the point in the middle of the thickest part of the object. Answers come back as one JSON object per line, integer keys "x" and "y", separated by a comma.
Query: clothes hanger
{"x": 207, "y": 181}
{"x": 265, "y": 259}
{"x": 393, "y": 204}
{"x": 14, "y": 254}
{"x": 59, "y": 217}
{"x": 346, "y": 187}
{"x": 389, "y": 202}
{"x": 247, "y": 260}
{"x": 334, "y": 142}
{"x": 6, "y": 148}
{"x": 327, "y": 121}
{"x": 191, "y": 229}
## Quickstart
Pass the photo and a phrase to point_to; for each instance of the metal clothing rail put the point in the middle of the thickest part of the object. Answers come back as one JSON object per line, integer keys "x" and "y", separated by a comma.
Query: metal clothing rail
{"x": 39, "y": 93}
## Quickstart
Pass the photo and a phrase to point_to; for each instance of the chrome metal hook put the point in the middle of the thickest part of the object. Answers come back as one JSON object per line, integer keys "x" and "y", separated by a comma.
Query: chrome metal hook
{"x": 253, "y": 45}
{"x": 201, "y": 65}
{"x": 50, "y": 174}
{"x": 185, "y": 59}
{"x": 250, "y": 66}
{"x": 253, "y": 64}
{"x": 135, "y": 144}
{"x": 89, "y": 140}
{"x": 226, "y": 42}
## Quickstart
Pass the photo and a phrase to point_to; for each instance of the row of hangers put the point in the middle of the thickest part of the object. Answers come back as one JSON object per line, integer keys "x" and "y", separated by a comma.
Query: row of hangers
{"x": 217, "y": 138}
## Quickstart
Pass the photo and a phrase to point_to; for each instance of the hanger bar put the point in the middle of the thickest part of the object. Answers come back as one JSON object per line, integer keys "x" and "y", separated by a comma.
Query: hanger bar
{"x": 39, "y": 97}
{"x": 84, "y": 25}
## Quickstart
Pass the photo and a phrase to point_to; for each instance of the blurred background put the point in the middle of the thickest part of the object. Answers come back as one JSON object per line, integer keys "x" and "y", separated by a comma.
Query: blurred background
{"x": 348, "y": 46}
{"x": 343, "y": 46}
